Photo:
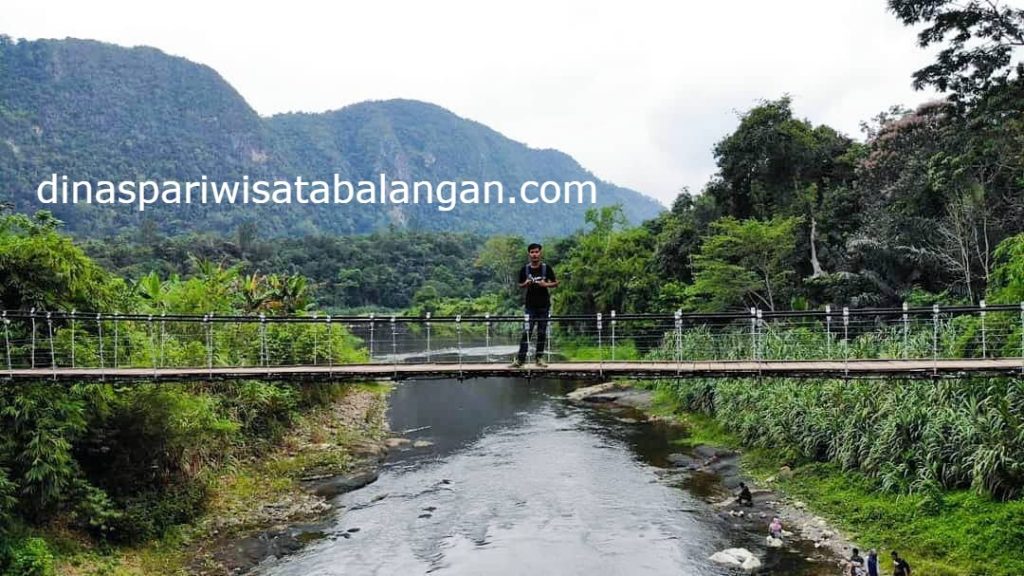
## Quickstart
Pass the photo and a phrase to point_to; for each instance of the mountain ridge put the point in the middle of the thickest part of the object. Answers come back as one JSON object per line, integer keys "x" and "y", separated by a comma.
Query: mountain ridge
{"x": 96, "y": 111}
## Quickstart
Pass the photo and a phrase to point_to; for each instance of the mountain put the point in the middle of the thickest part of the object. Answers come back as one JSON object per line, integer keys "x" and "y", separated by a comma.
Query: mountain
{"x": 95, "y": 111}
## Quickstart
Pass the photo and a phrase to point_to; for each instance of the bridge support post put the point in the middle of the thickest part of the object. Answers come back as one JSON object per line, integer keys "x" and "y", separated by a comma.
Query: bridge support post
{"x": 53, "y": 354}
{"x": 99, "y": 330}
{"x": 394, "y": 345}
{"x": 613, "y": 335}
{"x": 163, "y": 336}
{"x": 115, "y": 338}
{"x": 753, "y": 334}
{"x": 984, "y": 333}
{"x": 550, "y": 341}
{"x": 487, "y": 337}
{"x": 846, "y": 341}
{"x": 72, "y": 337}
{"x": 371, "y": 338}
{"x": 264, "y": 360}
{"x": 600, "y": 348}
{"x": 152, "y": 341}
{"x": 208, "y": 329}
{"x": 32, "y": 314}
{"x": 7, "y": 338}
{"x": 906, "y": 331}
{"x": 679, "y": 341}
{"x": 316, "y": 340}
{"x": 935, "y": 340}
{"x": 828, "y": 331}
{"x": 427, "y": 324}
{"x": 760, "y": 337}
{"x": 526, "y": 330}
{"x": 458, "y": 331}
{"x": 330, "y": 344}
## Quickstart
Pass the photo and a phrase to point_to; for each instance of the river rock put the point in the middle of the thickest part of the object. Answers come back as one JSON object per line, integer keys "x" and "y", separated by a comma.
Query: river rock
{"x": 332, "y": 486}
{"x": 682, "y": 460}
{"x": 705, "y": 451}
{"x": 422, "y": 444}
{"x": 773, "y": 542}
{"x": 396, "y": 442}
{"x": 738, "y": 558}
{"x": 589, "y": 391}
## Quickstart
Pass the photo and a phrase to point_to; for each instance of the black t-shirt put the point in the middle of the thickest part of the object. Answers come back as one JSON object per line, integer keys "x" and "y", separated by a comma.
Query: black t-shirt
{"x": 537, "y": 296}
{"x": 900, "y": 568}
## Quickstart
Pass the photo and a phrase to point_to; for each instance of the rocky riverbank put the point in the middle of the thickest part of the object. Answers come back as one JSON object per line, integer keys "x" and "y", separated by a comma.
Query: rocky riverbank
{"x": 715, "y": 473}
{"x": 271, "y": 503}
{"x": 331, "y": 452}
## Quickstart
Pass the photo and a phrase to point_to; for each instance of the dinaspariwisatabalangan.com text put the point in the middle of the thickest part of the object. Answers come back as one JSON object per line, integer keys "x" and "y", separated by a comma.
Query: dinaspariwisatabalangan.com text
{"x": 445, "y": 194}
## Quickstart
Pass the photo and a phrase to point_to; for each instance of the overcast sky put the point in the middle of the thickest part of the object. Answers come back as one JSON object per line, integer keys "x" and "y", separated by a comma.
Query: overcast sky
{"x": 637, "y": 91}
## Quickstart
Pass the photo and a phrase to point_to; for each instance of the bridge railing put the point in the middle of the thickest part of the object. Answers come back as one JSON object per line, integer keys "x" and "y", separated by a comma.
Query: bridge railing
{"x": 74, "y": 339}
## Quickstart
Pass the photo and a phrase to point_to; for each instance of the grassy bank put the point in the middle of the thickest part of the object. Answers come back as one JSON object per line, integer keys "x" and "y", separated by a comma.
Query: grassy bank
{"x": 246, "y": 494}
{"x": 941, "y": 532}
{"x": 585, "y": 350}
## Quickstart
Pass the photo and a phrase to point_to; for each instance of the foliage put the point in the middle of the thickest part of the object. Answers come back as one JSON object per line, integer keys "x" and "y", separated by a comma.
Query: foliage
{"x": 982, "y": 37}
{"x": 30, "y": 557}
{"x": 1007, "y": 285}
{"x": 910, "y": 436}
{"x": 127, "y": 463}
{"x": 385, "y": 270}
{"x": 607, "y": 267}
{"x": 42, "y": 269}
{"x": 744, "y": 263}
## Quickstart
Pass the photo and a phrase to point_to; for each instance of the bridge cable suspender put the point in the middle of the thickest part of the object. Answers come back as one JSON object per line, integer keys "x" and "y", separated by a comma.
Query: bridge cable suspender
{"x": 32, "y": 313}
{"x": 935, "y": 340}
{"x": 99, "y": 331}
{"x": 72, "y": 338}
{"x": 7, "y": 339}
{"x": 53, "y": 354}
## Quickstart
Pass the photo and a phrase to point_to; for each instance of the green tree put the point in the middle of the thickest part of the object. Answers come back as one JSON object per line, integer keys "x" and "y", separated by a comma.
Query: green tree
{"x": 981, "y": 37}
{"x": 609, "y": 267}
{"x": 40, "y": 268}
{"x": 744, "y": 263}
{"x": 1007, "y": 286}
{"x": 503, "y": 256}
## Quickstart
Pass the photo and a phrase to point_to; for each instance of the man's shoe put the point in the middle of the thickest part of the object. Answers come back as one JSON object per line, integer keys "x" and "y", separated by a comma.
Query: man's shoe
{"x": 517, "y": 363}
{"x": 540, "y": 363}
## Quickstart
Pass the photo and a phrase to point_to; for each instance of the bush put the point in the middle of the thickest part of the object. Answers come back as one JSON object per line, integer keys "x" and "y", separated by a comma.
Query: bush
{"x": 30, "y": 557}
{"x": 149, "y": 515}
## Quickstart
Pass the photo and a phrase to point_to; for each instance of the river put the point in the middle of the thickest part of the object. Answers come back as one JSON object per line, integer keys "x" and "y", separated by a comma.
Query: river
{"x": 507, "y": 477}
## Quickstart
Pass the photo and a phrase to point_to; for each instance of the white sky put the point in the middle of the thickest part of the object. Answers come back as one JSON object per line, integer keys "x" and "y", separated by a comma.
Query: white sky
{"x": 637, "y": 91}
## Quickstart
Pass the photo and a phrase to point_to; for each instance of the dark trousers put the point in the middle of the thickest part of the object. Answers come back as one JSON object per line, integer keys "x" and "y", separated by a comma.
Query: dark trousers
{"x": 538, "y": 320}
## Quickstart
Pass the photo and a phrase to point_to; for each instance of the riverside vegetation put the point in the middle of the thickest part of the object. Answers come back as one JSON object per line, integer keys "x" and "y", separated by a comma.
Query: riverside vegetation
{"x": 933, "y": 469}
{"x": 122, "y": 465}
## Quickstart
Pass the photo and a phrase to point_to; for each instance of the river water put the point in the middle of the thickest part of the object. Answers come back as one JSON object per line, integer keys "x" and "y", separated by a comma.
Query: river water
{"x": 510, "y": 478}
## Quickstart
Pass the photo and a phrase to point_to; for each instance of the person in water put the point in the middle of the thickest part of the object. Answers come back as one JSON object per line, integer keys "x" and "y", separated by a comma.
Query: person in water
{"x": 872, "y": 562}
{"x": 775, "y": 528}
{"x": 745, "y": 498}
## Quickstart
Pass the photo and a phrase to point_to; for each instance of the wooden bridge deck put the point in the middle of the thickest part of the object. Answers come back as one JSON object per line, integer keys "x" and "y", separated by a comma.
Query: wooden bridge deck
{"x": 790, "y": 369}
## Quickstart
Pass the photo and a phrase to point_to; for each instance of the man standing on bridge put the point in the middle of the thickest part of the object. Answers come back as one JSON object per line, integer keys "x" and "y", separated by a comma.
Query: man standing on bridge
{"x": 537, "y": 277}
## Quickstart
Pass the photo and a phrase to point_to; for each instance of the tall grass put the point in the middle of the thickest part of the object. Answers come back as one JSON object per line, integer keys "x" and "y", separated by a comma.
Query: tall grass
{"x": 912, "y": 436}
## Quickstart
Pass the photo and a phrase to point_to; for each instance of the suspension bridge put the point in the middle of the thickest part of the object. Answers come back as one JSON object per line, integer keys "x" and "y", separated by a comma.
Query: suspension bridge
{"x": 908, "y": 342}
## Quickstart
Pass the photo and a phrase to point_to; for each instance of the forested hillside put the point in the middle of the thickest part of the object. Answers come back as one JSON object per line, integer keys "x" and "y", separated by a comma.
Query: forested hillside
{"x": 95, "y": 111}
